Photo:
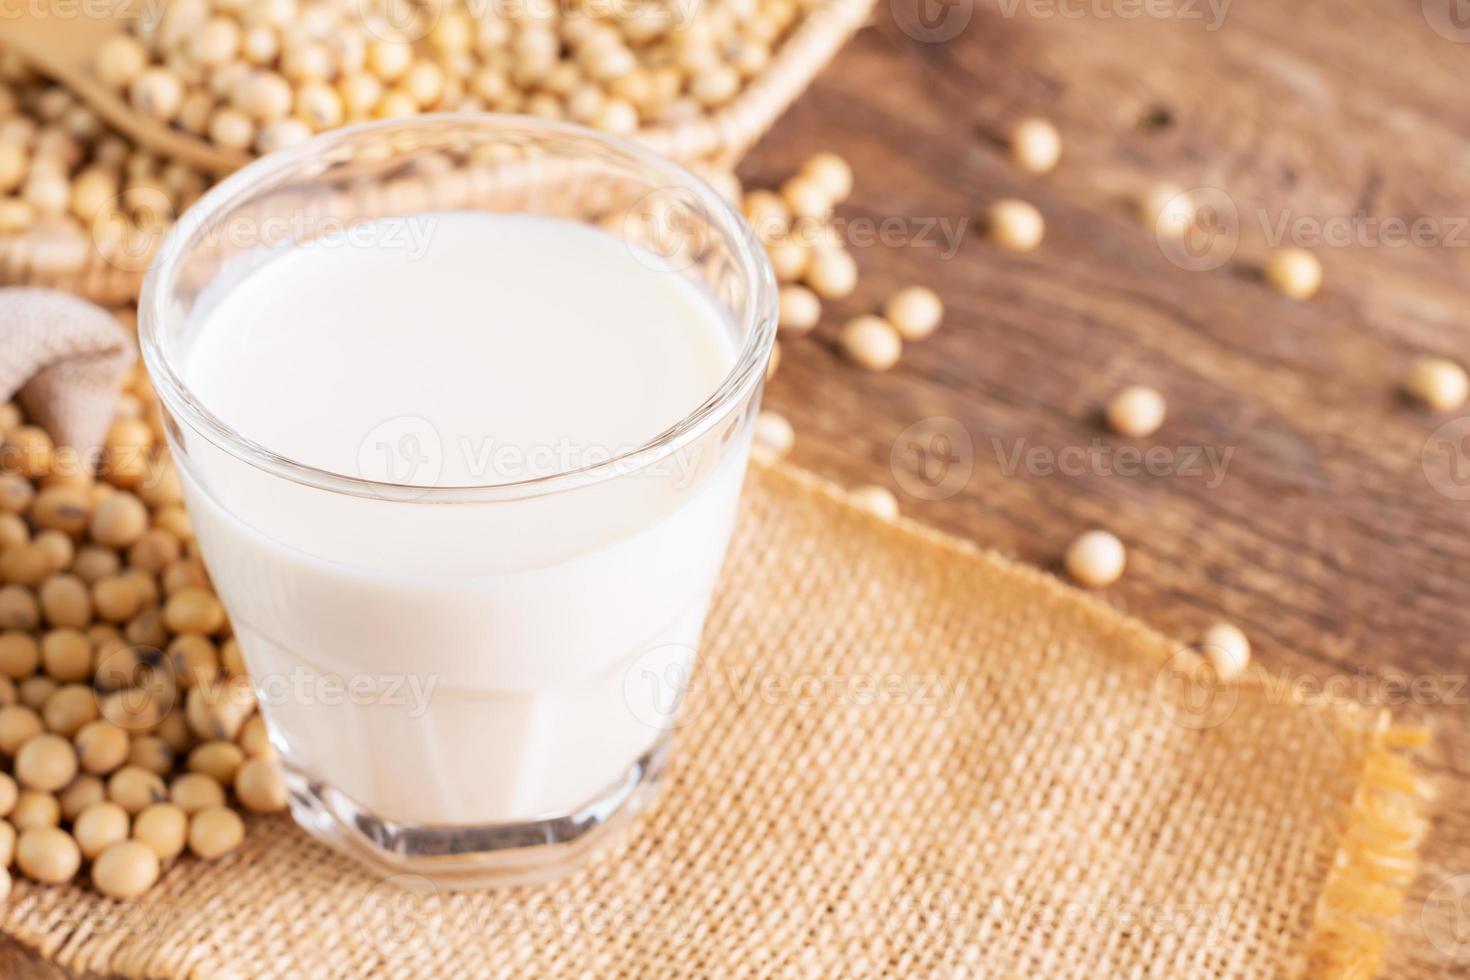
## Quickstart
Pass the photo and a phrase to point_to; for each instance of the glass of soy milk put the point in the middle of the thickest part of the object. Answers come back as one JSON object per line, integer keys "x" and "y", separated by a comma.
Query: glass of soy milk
{"x": 462, "y": 407}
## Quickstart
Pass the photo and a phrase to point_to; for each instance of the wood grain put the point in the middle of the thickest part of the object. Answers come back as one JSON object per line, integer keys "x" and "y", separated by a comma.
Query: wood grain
{"x": 1325, "y": 539}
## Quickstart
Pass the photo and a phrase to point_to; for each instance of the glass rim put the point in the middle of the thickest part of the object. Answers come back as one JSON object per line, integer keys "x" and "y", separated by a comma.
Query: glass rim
{"x": 758, "y": 323}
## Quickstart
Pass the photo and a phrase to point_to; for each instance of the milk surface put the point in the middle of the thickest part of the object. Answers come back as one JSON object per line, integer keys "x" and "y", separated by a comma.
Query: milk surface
{"x": 463, "y": 663}
{"x": 505, "y": 331}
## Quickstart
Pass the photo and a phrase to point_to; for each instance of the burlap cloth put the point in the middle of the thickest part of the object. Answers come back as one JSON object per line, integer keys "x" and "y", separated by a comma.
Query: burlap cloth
{"x": 62, "y": 359}
{"x": 902, "y": 757}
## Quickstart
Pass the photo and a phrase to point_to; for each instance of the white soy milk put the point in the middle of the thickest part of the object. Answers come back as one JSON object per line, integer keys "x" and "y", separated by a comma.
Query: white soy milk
{"x": 463, "y": 663}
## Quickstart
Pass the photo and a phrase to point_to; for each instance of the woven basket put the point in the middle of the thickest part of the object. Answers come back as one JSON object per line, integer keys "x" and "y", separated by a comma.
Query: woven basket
{"x": 66, "y": 259}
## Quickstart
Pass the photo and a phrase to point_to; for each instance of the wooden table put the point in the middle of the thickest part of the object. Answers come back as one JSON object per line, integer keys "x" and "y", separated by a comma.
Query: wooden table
{"x": 1325, "y": 538}
{"x": 1328, "y": 539}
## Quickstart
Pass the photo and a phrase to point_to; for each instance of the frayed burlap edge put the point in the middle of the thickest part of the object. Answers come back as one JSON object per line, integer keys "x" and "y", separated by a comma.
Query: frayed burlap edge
{"x": 1379, "y": 829}
{"x": 1376, "y": 861}
{"x": 1382, "y": 829}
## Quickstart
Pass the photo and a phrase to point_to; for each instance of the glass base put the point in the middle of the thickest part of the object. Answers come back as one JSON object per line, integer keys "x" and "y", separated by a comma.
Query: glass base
{"x": 457, "y": 857}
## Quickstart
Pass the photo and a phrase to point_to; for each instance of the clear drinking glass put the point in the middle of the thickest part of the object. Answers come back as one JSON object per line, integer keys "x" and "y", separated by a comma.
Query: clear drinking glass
{"x": 490, "y": 690}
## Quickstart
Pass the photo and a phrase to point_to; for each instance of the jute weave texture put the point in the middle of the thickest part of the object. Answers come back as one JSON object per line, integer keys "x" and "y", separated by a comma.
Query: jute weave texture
{"x": 901, "y": 757}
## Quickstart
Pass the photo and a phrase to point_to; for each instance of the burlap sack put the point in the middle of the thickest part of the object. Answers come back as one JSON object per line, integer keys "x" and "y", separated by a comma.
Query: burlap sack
{"x": 62, "y": 359}
{"x": 903, "y": 758}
